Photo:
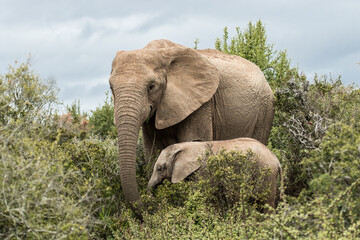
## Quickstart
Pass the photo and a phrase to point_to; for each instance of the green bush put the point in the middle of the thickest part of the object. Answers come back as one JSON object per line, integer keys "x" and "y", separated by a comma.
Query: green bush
{"x": 232, "y": 178}
{"x": 37, "y": 201}
{"x": 251, "y": 44}
{"x": 102, "y": 120}
{"x": 303, "y": 114}
{"x": 54, "y": 190}
{"x": 335, "y": 167}
{"x": 53, "y": 184}
{"x": 338, "y": 157}
{"x": 24, "y": 95}
{"x": 98, "y": 163}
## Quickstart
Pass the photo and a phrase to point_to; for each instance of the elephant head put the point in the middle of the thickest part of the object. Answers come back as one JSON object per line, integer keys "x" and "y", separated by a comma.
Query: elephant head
{"x": 163, "y": 80}
{"x": 176, "y": 162}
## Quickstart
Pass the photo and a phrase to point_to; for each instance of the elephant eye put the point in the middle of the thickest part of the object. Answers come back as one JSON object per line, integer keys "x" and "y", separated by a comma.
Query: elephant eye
{"x": 158, "y": 168}
{"x": 151, "y": 86}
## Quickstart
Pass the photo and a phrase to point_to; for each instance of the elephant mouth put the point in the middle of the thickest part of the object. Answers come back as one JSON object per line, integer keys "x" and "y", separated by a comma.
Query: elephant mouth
{"x": 152, "y": 188}
{"x": 192, "y": 177}
{"x": 151, "y": 111}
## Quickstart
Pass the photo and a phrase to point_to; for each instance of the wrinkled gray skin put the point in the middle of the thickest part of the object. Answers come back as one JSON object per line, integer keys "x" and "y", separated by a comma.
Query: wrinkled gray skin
{"x": 178, "y": 161}
{"x": 179, "y": 94}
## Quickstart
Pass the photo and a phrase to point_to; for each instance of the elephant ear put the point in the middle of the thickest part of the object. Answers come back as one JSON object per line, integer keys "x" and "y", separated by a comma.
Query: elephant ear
{"x": 183, "y": 166}
{"x": 191, "y": 81}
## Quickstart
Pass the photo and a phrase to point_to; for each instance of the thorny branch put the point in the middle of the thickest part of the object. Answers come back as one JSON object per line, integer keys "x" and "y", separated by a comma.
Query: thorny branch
{"x": 309, "y": 136}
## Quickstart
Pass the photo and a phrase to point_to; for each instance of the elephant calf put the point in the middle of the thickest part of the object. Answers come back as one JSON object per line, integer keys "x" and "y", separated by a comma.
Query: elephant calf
{"x": 178, "y": 161}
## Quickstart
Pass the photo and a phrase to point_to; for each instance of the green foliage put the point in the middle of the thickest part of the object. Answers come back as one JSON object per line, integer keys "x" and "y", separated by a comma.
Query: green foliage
{"x": 329, "y": 207}
{"x": 102, "y": 120}
{"x": 96, "y": 161}
{"x": 36, "y": 192}
{"x": 37, "y": 197}
{"x": 336, "y": 164}
{"x": 303, "y": 114}
{"x": 53, "y": 184}
{"x": 252, "y": 45}
{"x": 24, "y": 95}
{"x": 3, "y": 102}
{"x": 314, "y": 135}
{"x": 333, "y": 100}
{"x": 63, "y": 188}
{"x": 232, "y": 178}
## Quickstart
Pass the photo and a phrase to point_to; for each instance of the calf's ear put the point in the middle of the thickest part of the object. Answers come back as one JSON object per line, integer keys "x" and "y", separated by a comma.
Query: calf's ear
{"x": 183, "y": 166}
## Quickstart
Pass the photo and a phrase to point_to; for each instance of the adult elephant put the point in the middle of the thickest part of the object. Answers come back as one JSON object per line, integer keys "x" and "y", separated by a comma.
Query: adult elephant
{"x": 180, "y": 94}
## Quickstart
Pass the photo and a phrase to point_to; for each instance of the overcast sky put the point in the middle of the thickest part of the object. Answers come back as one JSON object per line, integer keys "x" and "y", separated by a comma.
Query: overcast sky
{"x": 74, "y": 41}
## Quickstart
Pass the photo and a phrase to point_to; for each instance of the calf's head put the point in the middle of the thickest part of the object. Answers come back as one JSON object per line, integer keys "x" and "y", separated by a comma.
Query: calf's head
{"x": 176, "y": 162}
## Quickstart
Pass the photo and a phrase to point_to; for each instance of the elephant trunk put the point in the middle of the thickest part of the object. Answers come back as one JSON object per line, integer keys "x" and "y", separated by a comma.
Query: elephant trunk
{"x": 128, "y": 135}
{"x": 153, "y": 182}
{"x": 129, "y": 117}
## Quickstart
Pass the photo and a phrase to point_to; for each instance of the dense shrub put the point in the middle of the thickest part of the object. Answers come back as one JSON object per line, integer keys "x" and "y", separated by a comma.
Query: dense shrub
{"x": 55, "y": 182}
{"x": 37, "y": 191}
{"x": 53, "y": 191}
{"x": 97, "y": 164}
{"x": 303, "y": 114}
{"x": 232, "y": 178}
{"x": 102, "y": 120}
{"x": 251, "y": 44}
{"x": 37, "y": 194}
{"x": 335, "y": 167}
{"x": 25, "y": 95}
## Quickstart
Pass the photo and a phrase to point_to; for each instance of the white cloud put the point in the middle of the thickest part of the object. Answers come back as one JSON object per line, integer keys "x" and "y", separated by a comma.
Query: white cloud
{"x": 75, "y": 42}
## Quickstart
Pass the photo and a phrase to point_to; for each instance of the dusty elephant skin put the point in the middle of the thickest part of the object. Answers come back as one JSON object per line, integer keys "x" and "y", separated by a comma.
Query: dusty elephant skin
{"x": 180, "y": 94}
{"x": 178, "y": 161}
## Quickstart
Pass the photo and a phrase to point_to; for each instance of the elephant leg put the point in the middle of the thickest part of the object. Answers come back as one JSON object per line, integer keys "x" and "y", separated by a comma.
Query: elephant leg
{"x": 272, "y": 195}
{"x": 264, "y": 122}
{"x": 155, "y": 140}
{"x": 198, "y": 126}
